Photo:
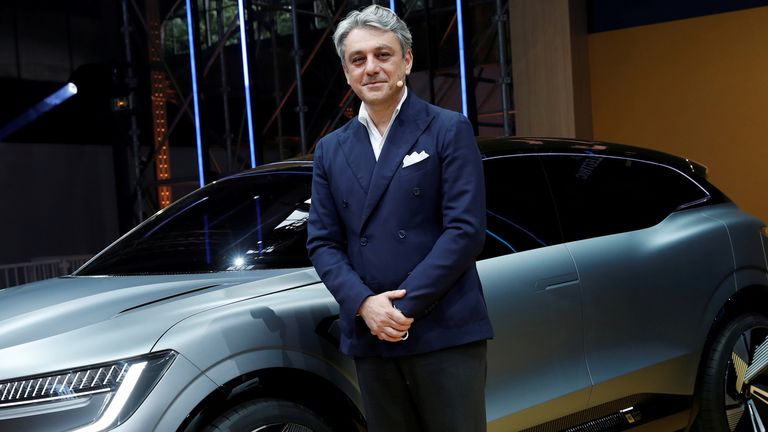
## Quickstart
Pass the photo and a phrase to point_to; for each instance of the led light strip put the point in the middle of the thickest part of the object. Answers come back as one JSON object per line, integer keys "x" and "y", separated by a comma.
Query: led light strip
{"x": 18, "y": 392}
{"x": 118, "y": 402}
{"x": 54, "y": 398}
{"x": 196, "y": 103}
{"x": 246, "y": 81}
{"x": 460, "y": 27}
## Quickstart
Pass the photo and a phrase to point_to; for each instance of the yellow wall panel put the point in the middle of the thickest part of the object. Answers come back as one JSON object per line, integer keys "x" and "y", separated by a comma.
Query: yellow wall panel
{"x": 697, "y": 88}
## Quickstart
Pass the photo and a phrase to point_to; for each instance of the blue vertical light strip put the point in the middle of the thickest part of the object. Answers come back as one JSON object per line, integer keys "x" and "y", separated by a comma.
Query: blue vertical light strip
{"x": 196, "y": 102}
{"x": 207, "y": 234}
{"x": 258, "y": 224}
{"x": 460, "y": 26}
{"x": 392, "y": 5}
{"x": 246, "y": 81}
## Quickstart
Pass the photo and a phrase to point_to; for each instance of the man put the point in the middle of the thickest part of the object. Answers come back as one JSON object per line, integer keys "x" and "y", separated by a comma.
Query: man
{"x": 396, "y": 222}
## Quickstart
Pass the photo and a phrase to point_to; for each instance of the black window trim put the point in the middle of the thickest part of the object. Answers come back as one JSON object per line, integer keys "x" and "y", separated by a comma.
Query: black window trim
{"x": 680, "y": 207}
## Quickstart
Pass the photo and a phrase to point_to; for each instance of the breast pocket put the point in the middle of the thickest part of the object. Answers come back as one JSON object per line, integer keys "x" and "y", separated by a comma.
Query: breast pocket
{"x": 419, "y": 168}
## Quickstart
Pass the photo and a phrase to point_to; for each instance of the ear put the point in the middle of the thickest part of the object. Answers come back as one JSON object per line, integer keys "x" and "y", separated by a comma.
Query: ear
{"x": 346, "y": 72}
{"x": 408, "y": 61}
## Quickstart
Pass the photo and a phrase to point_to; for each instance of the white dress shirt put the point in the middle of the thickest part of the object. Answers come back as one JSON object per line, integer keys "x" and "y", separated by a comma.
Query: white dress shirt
{"x": 377, "y": 139}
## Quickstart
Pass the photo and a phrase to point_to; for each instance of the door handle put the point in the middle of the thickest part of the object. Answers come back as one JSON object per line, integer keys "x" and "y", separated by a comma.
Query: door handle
{"x": 557, "y": 281}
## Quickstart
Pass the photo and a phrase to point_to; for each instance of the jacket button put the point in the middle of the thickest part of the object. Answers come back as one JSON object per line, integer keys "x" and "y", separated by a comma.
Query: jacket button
{"x": 401, "y": 234}
{"x": 416, "y": 191}
{"x": 363, "y": 241}
{"x": 344, "y": 204}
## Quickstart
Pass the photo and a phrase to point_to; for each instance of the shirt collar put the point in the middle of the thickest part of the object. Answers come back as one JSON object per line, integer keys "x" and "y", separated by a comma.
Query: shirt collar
{"x": 365, "y": 118}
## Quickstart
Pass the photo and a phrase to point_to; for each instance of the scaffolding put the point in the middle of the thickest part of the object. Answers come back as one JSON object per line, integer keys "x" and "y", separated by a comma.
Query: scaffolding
{"x": 289, "y": 116}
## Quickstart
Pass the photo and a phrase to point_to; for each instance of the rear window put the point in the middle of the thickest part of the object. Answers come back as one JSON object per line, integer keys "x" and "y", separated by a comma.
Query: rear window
{"x": 601, "y": 195}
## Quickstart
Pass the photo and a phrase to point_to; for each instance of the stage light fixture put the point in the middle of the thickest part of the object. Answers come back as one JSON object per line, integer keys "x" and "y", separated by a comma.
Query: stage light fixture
{"x": 56, "y": 98}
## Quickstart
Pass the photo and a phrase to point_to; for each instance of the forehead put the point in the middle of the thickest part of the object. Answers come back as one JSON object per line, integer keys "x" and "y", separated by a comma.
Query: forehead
{"x": 363, "y": 39}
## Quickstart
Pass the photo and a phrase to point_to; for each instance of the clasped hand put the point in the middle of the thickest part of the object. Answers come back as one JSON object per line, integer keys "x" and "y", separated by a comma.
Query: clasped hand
{"x": 383, "y": 319}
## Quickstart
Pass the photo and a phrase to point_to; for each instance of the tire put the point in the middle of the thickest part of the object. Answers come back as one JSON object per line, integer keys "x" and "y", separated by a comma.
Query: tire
{"x": 268, "y": 415}
{"x": 733, "y": 386}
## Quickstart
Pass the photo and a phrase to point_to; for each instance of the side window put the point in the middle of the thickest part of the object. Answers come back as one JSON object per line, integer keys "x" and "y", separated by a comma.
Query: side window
{"x": 598, "y": 195}
{"x": 521, "y": 214}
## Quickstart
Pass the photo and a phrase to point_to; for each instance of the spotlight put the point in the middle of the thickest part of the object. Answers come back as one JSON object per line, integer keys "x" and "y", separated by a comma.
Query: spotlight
{"x": 56, "y": 98}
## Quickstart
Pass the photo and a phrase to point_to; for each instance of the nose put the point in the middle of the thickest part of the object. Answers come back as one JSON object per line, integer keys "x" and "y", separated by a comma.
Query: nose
{"x": 372, "y": 66}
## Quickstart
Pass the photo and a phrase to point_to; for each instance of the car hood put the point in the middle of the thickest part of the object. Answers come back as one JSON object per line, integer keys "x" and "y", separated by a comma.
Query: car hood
{"x": 86, "y": 320}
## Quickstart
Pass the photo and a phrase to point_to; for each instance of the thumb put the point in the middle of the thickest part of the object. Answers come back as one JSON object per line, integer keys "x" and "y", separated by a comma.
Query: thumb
{"x": 396, "y": 294}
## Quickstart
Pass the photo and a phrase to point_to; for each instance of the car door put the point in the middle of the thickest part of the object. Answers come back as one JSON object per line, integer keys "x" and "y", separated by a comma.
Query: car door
{"x": 647, "y": 271}
{"x": 536, "y": 366}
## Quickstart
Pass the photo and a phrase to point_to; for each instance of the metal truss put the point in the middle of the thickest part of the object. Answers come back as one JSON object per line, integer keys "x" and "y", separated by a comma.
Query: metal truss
{"x": 330, "y": 103}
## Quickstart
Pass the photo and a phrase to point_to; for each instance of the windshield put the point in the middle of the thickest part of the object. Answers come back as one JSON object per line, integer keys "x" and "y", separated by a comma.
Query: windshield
{"x": 249, "y": 222}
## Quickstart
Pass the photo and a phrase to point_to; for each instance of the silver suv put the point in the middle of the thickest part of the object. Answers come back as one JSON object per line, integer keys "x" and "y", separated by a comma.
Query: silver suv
{"x": 624, "y": 288}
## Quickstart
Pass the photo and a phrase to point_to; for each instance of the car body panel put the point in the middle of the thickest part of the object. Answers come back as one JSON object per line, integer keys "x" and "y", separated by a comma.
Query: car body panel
{"x": 745, "y": 231}
{"x": 534, "y": 299}
{"x": 579, "y": 325}
{"x": 621, "y": 321}
{"x": 169, "y": 404}
{"x": 263, "y": 333}
{"x": 97, "y": 330}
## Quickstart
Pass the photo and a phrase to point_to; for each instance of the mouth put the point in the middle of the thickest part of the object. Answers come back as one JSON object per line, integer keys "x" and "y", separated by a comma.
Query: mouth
{"x": 365, "y": 84}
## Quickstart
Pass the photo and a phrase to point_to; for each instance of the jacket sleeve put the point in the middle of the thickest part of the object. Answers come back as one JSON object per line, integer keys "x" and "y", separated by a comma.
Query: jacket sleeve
{"x": 463, "y": 213}
{"x": 326, "y": 242}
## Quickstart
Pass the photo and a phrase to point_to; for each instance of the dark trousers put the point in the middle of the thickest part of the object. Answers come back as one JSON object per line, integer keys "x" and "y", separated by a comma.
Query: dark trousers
{"x": 441, "y": 391}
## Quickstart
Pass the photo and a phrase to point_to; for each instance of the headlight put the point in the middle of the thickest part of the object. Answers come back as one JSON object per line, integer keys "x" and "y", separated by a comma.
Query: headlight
{"x": 121, "y": 385}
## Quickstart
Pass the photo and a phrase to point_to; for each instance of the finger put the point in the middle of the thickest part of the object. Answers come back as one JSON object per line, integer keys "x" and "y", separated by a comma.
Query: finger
{"x": 396, "y": 316}
{"x": 399, "y": 326}
{"x": 393, "y": 333}
{"x": 395, "y": 294}
{"x": 388, "y": 338}
{"x": 383, "y": 335}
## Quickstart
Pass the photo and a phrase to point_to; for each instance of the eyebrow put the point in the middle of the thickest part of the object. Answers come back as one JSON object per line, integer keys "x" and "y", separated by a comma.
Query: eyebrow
{"x": 377, "y": 47}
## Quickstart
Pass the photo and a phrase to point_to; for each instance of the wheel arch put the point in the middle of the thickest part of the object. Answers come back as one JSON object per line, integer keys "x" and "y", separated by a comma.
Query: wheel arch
{"x": 316, "y": 393}
{"x": 751, "y": 298}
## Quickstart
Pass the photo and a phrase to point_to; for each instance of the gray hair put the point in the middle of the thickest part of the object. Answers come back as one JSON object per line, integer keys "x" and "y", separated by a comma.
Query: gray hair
{"x": 374, "y": 16}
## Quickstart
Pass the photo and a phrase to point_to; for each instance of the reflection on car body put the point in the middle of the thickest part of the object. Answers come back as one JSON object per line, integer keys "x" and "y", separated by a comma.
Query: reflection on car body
{"x": 623, "y": 286}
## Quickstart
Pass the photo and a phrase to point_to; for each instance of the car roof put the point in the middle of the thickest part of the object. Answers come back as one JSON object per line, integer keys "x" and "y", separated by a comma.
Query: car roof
{"x": 492, "y": 147}
{"x": 510, "y": 146}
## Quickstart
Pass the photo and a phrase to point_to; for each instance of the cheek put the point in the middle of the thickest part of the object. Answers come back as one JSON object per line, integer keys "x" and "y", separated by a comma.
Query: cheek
{"x": 353, "y": 76}
{"x": 349, "y": 73}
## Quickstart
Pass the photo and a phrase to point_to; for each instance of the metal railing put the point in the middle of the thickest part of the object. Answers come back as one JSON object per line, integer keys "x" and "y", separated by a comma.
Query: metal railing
{"x": 39, "y": 269}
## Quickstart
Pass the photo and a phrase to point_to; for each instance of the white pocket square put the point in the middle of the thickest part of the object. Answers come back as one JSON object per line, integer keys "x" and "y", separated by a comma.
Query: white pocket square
{"x": 414, "y": 158}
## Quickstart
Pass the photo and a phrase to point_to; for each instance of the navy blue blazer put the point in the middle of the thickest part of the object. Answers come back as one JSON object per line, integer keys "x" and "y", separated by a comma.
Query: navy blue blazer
{"x": 377, "y": 226}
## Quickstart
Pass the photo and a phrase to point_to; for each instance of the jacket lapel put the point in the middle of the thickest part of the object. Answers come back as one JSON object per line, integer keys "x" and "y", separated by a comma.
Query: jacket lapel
{"x": 357, "y": 149}
{"x": 408, "y": 126}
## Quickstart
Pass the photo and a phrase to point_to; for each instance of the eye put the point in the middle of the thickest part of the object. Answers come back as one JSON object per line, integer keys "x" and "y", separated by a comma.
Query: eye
{"x": 385, "y": 55}
{"x": 357, "y": 60}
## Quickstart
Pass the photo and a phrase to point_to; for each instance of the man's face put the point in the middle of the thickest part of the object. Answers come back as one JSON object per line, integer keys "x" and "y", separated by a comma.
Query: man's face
{"x": 374, "y": 63}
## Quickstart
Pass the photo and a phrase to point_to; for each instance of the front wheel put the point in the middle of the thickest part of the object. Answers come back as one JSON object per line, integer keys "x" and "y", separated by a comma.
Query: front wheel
{"x": 733, "y": 391}
{"x": 268, "y": 415}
